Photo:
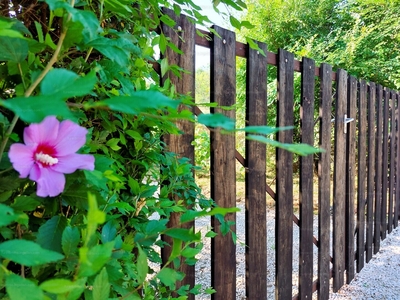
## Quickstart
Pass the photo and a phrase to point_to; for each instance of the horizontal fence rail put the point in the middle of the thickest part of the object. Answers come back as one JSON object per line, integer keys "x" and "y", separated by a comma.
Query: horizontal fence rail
{"x": 356, "y": 191}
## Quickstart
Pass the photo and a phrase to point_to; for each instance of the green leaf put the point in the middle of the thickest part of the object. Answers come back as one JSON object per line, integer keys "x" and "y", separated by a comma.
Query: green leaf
{"x": 25, "y": 203}
{"x": 94, "y": 259}
{"x": 266, "y": 130}
{"x": 108, "y": 232}
{"x": 27, "y": 253}
{"x": 156, "y": 226}
{"x": 50, "y": 233}
{"x": 300, "y": 149}
{"x": 70, "y": 240}
{"x": 183, "y": 234}
{"x": 60, "y": 286}
{"x": 101, "y": 286}
{"x": 139, "y": 102}
{"x": 20, "y": 288}
{"x": 35, "y": 108}
{"x": 113, "y": 144}
{"x": 235, "y": 22}
{"x": 5, "y": 196}
{"x": 142, "y": 266}
{"x": 113, "y": 49}
{"x": 89, "y": 21}
{"x": 66, "y": 84}
{"x": 7, "y": 215}
{"x": 190, "y": 252}
{"x": 216, "y": 120}
{"x": 169, "y": 277}
{"x": 254, "y": 45}
{"x": 13, "y": 49}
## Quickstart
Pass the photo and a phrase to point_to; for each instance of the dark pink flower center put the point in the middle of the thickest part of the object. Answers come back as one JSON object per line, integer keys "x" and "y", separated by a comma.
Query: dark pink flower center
{"x": 45, "y": 155}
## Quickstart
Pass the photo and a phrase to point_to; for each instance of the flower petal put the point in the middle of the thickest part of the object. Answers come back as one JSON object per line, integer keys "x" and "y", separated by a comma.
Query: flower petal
{"x": 72, "y": 162}
{"x": 21, "y": 157}
{"x": 71, "y": 137}
{"x": 49, "y": 183}
{"x": 42, "y": 133}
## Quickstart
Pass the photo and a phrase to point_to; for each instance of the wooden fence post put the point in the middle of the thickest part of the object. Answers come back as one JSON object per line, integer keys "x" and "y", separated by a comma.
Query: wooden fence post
{"x": 385, "y": 163}
{"x": 324, "y": 186}
{"x": 378, "y": 168}
{"x": 397, "y": 197}
{"x": 339, "y": 182}
{"x": 181, "y": 144}
{"x": 362, "y": 166}
{"x": 256, "y": 205}
{"x": 392, "y": 160}
{"x": 306, "y": 180}
{"x": 284, "y": 181}
{"x": 223, "y": 163}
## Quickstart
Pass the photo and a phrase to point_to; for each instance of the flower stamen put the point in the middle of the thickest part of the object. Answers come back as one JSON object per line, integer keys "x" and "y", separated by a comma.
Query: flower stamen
{"x": 46, "y": 159}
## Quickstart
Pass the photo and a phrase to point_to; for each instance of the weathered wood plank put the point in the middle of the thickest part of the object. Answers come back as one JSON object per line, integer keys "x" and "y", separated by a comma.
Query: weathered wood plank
{"x": 223, "y": 163}
{"x": 385, "y": 166}
{"x": 397, "y": 197}
{"x": 255, "y": 178}
{"x": 350, "y": 175}
{"x": 306, "y": 180}
{"x": 371, "y": 170}
{"x": 378, "y": 169}
{"x": 392, "y": 161}
{"x": 284, "y": 181}
{"x": 181, "y": 144}
{"x": 339, "y": 183}
{"x": 324, "y": 185}
{"x": 362, "y": 174}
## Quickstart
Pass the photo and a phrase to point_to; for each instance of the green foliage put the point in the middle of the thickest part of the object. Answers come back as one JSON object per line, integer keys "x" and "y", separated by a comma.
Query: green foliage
{"x": 92, "y": 63}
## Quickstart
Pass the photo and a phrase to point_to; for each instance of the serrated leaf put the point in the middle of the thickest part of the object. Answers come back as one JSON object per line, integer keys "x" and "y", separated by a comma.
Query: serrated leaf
{"x": 19, "y": 288}
{"x": 59, "y": 286}
{"x": 66, "y": 84}
{"x": 35, "y": 108}
{"x": 138, "y": 102}
{"x": 50, "y": 233}
{"x": 142, "y": 266}
{"x": 113, "y": 49}
{"x": 27, "y": 253}
{"x": 13, "y": 49}
{"x": 25, "y": 203}
{"x": 169, "y": 277}
{"x": 94, "y": 259}
{"x": 156, "y": 226}
{"x": 70, "y": 240}
{"x": 108, "y": 232}
{"x": 216, "y": 120}
{"x": 183, "y": 234}
{"x": 101, "y": 286}
{"x": 7, "y": 215}
{"x": 300, "y": 149}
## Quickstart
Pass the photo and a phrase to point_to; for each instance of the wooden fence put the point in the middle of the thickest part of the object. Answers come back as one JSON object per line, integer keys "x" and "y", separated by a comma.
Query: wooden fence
{"x": 364, "y": 194}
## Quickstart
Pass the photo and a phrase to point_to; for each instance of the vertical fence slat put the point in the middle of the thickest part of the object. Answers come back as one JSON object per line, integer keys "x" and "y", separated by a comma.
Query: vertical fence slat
{"x": 284, "y": 182}
{"x": 397, "y": 197}
{"x": 181, "y": 144}
{"x": 256, "y": 205}
{"x": 350, "y": 175}
{"x": 371, "y": 170}
{"x": 378, "y": 168}
{"x": 339, "y": 182}
{"x": 306, "y": 180}
{"x": 223, "y": 163}
{"x": 324, "y": 185}
{"x": 391, "y": 164}
{"x": 362, "y": 165}
{"x": 385, "y": 163}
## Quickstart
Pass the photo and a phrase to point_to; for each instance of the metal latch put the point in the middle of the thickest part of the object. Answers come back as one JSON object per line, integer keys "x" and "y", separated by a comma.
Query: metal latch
{"x": 345, "y": 120}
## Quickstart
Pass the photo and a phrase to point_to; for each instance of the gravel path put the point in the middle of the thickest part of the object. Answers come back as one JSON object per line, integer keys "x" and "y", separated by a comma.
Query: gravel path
{"x": 380, "y": 278}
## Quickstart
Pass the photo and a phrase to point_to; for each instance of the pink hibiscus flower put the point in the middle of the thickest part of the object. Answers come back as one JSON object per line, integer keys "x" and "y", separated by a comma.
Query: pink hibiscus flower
{"x": 49, "y": 153}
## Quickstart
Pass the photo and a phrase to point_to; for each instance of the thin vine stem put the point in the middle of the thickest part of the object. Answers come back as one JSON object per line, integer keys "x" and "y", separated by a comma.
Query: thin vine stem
{"x": 34, "y": 84}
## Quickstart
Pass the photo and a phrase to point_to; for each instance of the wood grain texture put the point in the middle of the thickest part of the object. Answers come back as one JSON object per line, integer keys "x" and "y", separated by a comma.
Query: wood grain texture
{"x": 378, "y": 169}
{"x": 306, "y": 180}
{"x": 397, "y": 192}
{"x": 339, "y": 182}
{"x": 392, "y": 154}
{"x": 181, "y": 144}
{"x": 284, "y": 181}
{"x": 362, "y": 174}
{"x": 255, "y": 178}
{"x": 324, "y": 186}
{"x": 385, "y": 163}
{"x": 371, "y": 171}
{"x": 223, "y": 163}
